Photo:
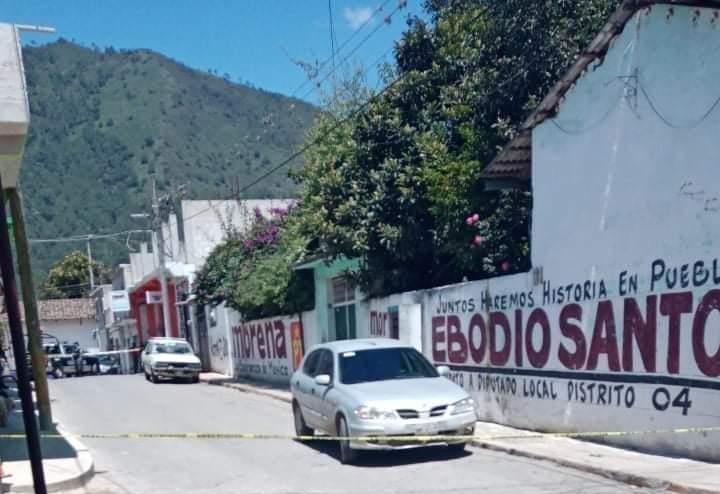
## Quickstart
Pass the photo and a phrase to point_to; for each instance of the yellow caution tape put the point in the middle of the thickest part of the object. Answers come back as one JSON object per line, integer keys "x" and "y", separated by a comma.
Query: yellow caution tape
{"x": 372, "y": 438}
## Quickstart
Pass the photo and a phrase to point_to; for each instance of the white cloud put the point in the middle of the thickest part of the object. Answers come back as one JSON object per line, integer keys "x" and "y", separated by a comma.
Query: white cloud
{"x": 357, "y": 16}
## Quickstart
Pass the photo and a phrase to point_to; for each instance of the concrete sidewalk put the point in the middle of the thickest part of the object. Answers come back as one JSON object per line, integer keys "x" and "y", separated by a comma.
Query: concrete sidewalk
{"x": 67, "y": 463}
{"x": 675, "y": 474}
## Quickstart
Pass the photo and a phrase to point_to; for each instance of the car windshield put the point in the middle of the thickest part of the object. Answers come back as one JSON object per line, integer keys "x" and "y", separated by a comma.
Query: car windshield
{"x": 384, "y": 364}
{"x": 173, "y": 347}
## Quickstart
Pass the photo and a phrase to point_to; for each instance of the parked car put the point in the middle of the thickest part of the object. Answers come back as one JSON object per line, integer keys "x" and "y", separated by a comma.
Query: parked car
{"x": 108, "y": 364}
{"x": 170, "y": 358}
{"x": 65, "y": 359}
{"x": 378, "y": 388}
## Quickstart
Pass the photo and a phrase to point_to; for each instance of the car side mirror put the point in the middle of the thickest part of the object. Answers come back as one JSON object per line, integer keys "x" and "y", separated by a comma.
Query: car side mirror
{"x": 322, "y": 379}
{"x": 443, "y": 370}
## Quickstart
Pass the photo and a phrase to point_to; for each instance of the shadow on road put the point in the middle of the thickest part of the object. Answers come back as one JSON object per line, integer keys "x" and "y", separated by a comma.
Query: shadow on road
{"x": 379, "y": 459}
{"x": 15, "y": 449}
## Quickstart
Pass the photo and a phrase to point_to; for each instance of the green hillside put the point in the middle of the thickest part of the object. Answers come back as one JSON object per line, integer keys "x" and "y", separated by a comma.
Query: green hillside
{"x": 104, "y": 122}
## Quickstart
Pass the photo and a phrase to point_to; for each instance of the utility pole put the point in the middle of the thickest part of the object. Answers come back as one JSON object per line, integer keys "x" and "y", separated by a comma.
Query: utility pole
{"x": 12, "y": 304}
{"x": 160, "y": 245}
{"x": 32, "y": 320}
{"x": 90, "y": 266}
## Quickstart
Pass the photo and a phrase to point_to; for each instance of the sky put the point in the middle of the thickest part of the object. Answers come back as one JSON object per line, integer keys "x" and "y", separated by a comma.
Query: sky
{"x": 251, "y": 40}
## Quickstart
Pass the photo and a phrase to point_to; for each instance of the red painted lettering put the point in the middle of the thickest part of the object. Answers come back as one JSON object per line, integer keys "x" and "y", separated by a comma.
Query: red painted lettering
{"x": 708, "y": 364}
{"x": 280, "y": 345}
{"x": 438, "y": 339}
{"x": 518, "y": 338}
{"x": 499, "y": 356}
{"x": 674, "y": 305}
{"x": 477, "y": 326}
{"x": 269, "y": 340}
{"x": 260, "y": 340}
{"x": 537, "y": 358}
{"x": 572, "y": 360}
{"x": 604, "y": 339}
{"x": 644, "y": 331}
{"x": 457, "y": 345}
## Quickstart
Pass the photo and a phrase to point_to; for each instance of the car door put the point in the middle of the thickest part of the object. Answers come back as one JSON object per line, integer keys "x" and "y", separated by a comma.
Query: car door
{"x": 304, "y": 383}
{"x": 146, "y": 357}
{"x": 321, "y": 393}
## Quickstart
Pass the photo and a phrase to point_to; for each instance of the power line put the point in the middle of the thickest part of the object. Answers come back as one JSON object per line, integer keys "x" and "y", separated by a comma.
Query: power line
{"x": 340, "y": 48}
{"x": 350, "y": 116}
{"x": 352, "y": 52}
{"x": 84, "y": 238}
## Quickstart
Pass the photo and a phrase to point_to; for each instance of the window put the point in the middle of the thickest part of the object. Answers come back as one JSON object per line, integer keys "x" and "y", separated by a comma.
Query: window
{"x": 343, "y": 301}
{"x": 325, "y": 364}
{"x": 384, "y": 364}
{"x": 311, "y": 363}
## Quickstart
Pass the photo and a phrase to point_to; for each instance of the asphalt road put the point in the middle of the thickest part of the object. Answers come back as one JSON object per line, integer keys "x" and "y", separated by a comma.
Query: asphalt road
{"x": 118, "y": 404}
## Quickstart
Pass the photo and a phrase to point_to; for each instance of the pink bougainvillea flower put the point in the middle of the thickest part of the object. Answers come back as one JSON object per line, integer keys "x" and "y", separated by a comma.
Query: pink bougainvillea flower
{"x": 475, "y": 218}
{"x": 477, "y": 240}
{"x": 469, "y": 221}
{"x": 505, "y": 266}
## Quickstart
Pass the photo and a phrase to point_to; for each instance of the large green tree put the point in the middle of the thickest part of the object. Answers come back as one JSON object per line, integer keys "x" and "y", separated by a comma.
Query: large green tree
{"x": 399, "y": 185}
{"x": 70, "y": 277}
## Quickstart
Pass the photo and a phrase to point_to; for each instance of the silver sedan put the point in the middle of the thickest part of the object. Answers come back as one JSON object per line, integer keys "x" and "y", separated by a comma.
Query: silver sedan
{"x": 378, "y": 388}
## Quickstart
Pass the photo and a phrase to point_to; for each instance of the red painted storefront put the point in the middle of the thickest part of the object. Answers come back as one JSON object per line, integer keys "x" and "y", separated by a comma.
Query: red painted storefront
{"x": 149, "y": 317}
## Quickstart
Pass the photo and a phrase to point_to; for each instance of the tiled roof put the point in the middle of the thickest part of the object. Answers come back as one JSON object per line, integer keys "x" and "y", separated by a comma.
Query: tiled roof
{"x": 62, "y": 309}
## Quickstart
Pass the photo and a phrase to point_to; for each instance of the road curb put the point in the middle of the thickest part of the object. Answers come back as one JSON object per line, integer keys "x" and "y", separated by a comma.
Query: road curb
{"x": 83, "y": 460}
{"x": 245, "y": 388}
{"x": 609, "y": 473}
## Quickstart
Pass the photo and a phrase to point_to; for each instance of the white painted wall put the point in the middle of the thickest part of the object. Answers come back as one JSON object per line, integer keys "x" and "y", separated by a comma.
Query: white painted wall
{"x": 263, "y": 349}
{"x": 204, "y": 223}
{"x": 220, "y": 338}
{"x": 619, "y": 195}
{"x": 72, "y": 330}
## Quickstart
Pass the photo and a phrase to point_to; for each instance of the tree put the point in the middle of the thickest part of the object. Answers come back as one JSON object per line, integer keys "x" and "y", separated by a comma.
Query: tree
{"x": 70, "y": 277}
{"x": 253, "y": 270}
{"x": 399, "y": 186}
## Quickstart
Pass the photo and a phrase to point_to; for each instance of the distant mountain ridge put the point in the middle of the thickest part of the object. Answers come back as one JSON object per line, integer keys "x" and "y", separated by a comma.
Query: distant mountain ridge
{"x": 104, "y": 122}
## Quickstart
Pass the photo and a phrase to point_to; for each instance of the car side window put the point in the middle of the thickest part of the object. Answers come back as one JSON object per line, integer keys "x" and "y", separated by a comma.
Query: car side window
{"x": 325, "y": 365}
{"x": 311, "y": 363}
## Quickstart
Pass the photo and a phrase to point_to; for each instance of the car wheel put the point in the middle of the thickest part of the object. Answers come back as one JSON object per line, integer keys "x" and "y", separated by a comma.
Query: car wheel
{"x": 348, "y": 456}
{"x": 457, "y": 448}
{"x": 153, "y": 377}
{"x": 195, "y": 379}
{"x": 301, "y": 428}
{"x": 147, "y": 376}
{"x": 57, "y": 373}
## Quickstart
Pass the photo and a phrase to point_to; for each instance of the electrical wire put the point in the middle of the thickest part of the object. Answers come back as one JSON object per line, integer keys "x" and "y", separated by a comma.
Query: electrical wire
{"x": 341, "y": 47}
{"x": 319, "y": 83}
{"x": 667, "y": 121}
{"x": 84, "y": 238}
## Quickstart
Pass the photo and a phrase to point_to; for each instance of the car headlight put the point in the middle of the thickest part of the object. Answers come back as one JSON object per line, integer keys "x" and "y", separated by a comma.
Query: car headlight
{"x": 372, "y": 413}
{"x": 463, "y": 406}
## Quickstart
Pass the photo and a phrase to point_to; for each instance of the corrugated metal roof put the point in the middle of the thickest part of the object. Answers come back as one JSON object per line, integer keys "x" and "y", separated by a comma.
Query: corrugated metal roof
{"x": 514, "y": 162}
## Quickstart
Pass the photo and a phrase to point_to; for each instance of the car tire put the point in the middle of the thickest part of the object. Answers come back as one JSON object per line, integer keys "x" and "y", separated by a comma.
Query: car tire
{"x": 301, "y": 428}
{"x": 147, "y": 376}
{"x": 195, "y": 379}
{"x": 457, "y": 448}
{"x": 154, "y": 378}
{"x": 348, "y": 456}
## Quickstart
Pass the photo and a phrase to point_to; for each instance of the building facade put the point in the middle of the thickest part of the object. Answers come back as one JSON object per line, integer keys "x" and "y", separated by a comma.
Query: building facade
{"x": 616, "y": 328}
